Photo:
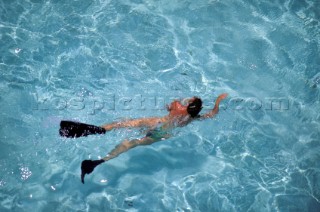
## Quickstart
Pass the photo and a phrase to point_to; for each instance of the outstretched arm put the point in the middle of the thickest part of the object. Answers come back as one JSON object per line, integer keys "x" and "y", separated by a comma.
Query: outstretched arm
{"x": 143, "y": 122}
{"x": 215, "y": 110}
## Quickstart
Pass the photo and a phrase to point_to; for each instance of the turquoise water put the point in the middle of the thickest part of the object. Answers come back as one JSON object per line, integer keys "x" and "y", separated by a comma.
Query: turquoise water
{"x": 99, "y": 61}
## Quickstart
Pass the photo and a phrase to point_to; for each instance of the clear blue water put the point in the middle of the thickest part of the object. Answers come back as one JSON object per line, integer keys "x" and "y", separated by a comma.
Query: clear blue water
{"x": 95, "y": 61}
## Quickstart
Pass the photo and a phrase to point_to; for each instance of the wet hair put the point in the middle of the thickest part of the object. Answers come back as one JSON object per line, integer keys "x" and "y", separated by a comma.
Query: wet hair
{"x": 195, "y": 107}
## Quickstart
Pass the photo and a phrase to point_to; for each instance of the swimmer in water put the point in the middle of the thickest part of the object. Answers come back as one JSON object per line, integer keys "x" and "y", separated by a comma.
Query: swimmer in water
{"x": 180, "y": 114}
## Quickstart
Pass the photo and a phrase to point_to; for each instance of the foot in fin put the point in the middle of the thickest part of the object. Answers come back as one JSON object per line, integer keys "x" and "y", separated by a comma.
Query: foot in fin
{"x": 71, "y": 129}
{"x": 87, "y": 166}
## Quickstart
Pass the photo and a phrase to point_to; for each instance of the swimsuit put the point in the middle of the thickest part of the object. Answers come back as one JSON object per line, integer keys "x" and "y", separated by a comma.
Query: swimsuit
{"x": 157, "y": 134}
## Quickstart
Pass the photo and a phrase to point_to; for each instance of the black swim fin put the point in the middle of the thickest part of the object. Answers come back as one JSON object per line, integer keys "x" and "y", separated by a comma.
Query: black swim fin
{"x": 73, "y": 129}
{"x": 87, "y": 166}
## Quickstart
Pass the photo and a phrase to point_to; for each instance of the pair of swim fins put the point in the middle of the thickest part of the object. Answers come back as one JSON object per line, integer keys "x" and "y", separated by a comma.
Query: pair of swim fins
{"x": 72, "y": 129}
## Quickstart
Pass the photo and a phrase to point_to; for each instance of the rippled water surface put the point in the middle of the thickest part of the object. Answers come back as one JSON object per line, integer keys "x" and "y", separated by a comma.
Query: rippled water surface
{"x": 97, "y": 61}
